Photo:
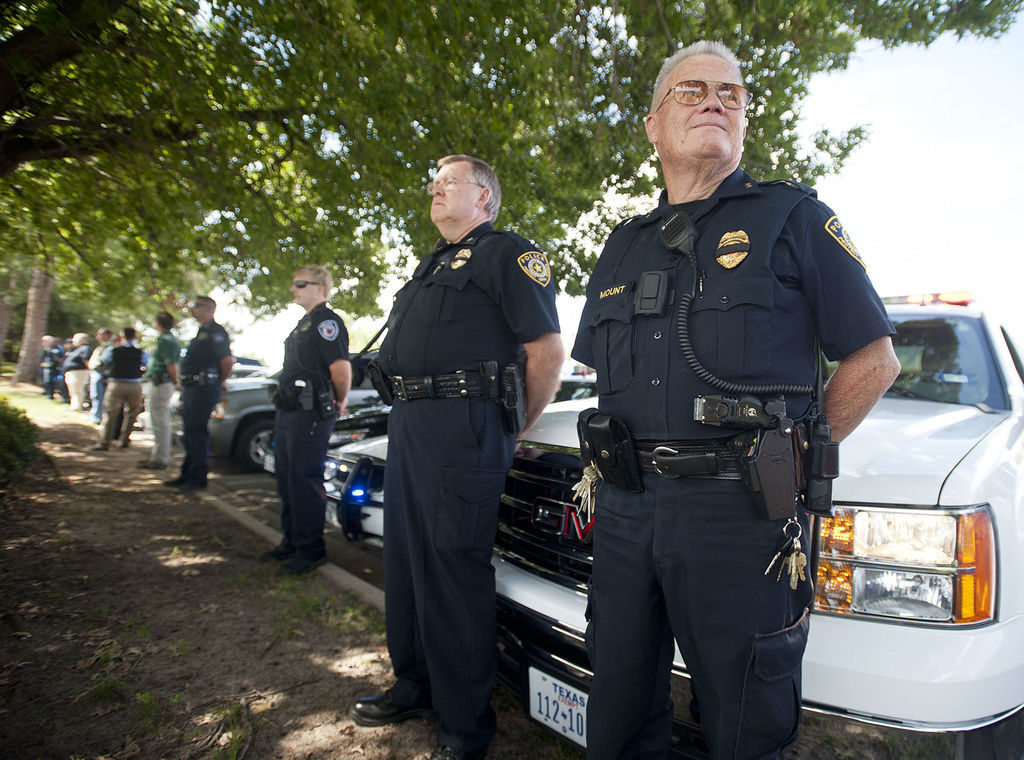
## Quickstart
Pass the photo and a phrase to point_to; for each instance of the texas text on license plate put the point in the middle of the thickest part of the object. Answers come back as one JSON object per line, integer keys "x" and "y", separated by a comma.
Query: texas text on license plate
{"x": 559, "y": 706}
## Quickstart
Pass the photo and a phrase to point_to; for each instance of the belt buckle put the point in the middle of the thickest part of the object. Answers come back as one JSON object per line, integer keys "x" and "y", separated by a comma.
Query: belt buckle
{"x": 663, "y": 451}
{"x": 398, "y": 388}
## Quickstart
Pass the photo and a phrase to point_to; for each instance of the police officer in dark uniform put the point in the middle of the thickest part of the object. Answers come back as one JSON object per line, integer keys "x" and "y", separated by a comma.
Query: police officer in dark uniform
{"x": 204, "y": 371}
{"x": 311, "y": 394}
{"x": 724, "y": 291}
{"x": 454, "y": 335}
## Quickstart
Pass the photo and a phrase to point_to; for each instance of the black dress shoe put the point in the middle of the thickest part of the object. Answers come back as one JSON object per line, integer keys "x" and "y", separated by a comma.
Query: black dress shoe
{"x": 444, "y": 752}
{"x": 174, "y": 482}
{"x": 278, "y": 552}
{"x": 381, "y": 710}
{"x": 301, "y": 565}
{"x": 188, "y": 487}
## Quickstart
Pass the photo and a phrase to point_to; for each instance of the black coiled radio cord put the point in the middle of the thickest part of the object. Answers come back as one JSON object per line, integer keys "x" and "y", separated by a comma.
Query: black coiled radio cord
{"x": 677, "y": 234}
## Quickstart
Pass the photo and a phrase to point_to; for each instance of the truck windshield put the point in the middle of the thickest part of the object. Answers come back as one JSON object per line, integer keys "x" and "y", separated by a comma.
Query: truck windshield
{"x": 946, "y": 359}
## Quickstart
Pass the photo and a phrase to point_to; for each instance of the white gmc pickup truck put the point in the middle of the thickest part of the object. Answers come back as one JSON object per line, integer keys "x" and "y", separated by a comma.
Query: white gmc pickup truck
{"x": 918, "y": 619}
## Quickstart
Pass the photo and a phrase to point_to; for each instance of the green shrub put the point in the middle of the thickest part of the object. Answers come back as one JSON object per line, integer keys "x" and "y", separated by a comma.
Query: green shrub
{"x": 17, "y": 443}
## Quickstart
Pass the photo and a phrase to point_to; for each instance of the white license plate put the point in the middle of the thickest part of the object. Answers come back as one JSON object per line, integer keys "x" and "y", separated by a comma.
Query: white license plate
{"x": 558, "y": 706}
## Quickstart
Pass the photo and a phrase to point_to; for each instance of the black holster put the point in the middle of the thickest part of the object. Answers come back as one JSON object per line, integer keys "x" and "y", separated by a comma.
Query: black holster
{"x": 606, "y": 443}
{"x": 822, "y": 466}
{"x": 513, "y": 397}
{"x": 379, "y": 381}
{"x": 769, "y": 472}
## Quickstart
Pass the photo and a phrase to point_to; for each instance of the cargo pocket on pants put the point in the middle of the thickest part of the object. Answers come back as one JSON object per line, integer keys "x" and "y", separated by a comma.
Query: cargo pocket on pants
{"x": 770, "y": 707}
{"x": 467, "y": 515}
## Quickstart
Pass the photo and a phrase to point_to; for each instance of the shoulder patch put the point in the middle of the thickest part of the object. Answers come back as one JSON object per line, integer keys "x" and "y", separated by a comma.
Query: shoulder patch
{"x": 328, "y": 329}
{"x": 835, "y": 228}
{"x": 219, "y": 337}
{"x": 535, "y": 265}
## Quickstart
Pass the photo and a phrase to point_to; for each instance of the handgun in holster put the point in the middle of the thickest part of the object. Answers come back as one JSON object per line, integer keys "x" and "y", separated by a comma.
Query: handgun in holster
{"x": 606, "y": 443}
{"x": 379, "y": 381}
{"x": 513, "y": 395}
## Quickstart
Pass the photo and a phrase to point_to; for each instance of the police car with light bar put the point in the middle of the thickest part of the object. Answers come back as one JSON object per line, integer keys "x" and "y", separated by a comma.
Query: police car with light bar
{"x": 918, "y": 618}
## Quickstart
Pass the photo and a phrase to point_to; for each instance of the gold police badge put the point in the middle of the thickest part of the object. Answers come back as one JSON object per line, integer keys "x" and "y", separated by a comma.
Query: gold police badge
{"x": 535, "y": 265}
{"x": 733, "y": 249}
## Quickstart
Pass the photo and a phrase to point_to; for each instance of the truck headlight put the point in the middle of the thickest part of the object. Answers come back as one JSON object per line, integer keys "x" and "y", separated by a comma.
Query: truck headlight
{"x": 930, "y": 566}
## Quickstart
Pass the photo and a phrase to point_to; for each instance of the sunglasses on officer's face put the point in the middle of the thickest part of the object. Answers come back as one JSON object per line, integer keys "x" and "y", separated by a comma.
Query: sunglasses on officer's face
{"x": 304, "y": 283}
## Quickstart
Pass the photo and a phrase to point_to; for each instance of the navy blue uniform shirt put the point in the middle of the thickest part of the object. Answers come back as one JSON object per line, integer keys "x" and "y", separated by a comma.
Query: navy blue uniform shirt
{"x": 475, "y": 300}
{"x": 318, "y": 340}
{"x": 210, "y": 345}
{"x": 774, "y": 268}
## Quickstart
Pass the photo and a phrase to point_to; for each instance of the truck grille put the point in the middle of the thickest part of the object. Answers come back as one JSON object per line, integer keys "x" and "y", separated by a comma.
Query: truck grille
{"x": 540, "y": 527}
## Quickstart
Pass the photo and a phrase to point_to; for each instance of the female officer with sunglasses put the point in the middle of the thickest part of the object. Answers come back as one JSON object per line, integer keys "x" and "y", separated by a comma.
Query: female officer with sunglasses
{"x": 312, "y": 393}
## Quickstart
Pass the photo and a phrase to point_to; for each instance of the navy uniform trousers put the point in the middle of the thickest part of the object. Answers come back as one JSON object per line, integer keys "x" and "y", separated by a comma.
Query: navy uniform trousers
{"x": 685, "y": 560}
{"x": 447, "y": 462}
{"x": 300, "y": 445}
{"x": 197, "y": 404}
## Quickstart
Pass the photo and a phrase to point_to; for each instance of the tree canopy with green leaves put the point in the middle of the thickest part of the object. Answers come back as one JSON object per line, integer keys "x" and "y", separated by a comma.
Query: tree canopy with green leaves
{"x": 149, "y": 148}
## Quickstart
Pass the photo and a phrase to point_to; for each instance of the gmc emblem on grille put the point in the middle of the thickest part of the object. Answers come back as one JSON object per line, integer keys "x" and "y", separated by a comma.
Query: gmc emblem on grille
{"x": 558, "y": 518}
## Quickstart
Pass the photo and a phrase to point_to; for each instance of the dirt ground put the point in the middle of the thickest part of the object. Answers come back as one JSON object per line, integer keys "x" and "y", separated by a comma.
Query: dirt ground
{"x": 137, "y": 623}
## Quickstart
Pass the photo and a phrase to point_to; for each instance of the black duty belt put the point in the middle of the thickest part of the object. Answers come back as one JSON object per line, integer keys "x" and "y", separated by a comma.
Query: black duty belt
{"x": 206, "y": 377}
{"x": 718, "y": 459}
{"x": 461, "y": 384}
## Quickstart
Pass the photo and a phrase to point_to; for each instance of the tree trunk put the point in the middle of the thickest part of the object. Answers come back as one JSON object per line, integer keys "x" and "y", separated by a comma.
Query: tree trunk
{"x": 37, "y": 310}
{"x": 6, "y": 310}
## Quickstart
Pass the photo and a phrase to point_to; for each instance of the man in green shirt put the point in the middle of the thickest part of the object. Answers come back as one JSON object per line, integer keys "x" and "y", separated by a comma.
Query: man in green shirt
{"x": 160, "y": 380}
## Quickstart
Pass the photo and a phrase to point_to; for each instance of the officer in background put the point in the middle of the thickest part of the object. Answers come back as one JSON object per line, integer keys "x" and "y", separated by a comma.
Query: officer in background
{"x": 123, "y": 399}
{"x": 312, "y": 394}
{"x": 204, "y": 372}
{"x": 51, "y": 357}
{"x": 681, "y": 549}
{"x": 454, "y": 334}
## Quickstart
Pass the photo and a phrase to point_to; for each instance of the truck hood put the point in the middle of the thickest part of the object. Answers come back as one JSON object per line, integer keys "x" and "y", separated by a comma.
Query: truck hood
{"x": 250, "y": 383}
{"x": 902, "y": 452}
{"x": 906, "y": 448}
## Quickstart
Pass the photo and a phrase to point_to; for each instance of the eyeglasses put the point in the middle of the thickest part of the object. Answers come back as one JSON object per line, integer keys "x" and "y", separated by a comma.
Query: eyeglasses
{"x": 692, "y": 92}
{"x": 446, "y": 184}
{"x": 304, "y": 283}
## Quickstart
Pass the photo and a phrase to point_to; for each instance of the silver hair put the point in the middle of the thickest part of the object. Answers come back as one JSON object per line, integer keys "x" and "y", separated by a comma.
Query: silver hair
{"x": 480, "y": 173}
{"x": 703, "y": 47}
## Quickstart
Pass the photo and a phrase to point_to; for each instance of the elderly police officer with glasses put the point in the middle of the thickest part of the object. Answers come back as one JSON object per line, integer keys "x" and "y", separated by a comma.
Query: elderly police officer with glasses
{"x": 721, "y": 296}
{"x": 450, "y": 360}
{"x": 311, "y": 393}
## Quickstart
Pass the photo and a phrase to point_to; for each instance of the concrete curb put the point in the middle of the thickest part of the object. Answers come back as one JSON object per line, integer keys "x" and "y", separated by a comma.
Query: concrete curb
{"x": 344, "y": 580}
